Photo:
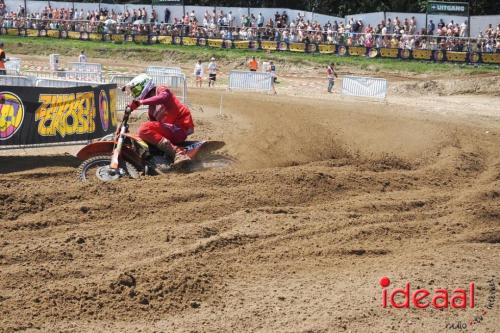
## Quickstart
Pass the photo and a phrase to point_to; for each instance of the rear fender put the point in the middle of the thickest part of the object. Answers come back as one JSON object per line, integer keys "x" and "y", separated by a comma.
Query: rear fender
{"x": 96, "y": 148}
{"x": 199, "y": 149}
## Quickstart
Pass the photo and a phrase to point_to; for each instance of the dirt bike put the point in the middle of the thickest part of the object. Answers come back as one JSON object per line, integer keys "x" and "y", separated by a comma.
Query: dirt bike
{"x": 122, "y": 155}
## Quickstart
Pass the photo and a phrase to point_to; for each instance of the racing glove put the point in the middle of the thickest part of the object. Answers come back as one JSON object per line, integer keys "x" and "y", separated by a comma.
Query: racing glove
{"x": 134, "y": 105}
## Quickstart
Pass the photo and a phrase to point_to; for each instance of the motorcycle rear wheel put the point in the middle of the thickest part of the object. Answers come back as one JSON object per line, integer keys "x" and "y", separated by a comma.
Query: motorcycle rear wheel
{"x": 87, "y": 170}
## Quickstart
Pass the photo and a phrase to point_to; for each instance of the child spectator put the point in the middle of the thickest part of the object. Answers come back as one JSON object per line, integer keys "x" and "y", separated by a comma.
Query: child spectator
{"x": 198, "y": 73}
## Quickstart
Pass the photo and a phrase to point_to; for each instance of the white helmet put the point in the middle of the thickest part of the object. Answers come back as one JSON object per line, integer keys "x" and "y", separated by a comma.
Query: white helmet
{"x": 140, "y": 86}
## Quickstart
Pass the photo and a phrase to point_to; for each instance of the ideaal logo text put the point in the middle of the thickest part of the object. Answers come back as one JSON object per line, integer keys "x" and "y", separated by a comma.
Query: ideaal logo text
{"x": 459, "y": 298}
{"x": 400, "y": 298}
{"x": 66, "y": 114}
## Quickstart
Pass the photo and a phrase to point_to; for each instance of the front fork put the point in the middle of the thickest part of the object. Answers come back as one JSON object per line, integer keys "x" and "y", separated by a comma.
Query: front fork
{"x": 118, "y": 149}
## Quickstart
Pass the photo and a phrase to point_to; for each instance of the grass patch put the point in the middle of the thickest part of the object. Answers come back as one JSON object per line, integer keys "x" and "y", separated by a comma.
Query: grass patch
{"x": 160, "y": 52}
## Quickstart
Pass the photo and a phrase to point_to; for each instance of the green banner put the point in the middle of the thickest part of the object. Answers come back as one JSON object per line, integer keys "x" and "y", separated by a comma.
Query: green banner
{"x": 449, "y": 8}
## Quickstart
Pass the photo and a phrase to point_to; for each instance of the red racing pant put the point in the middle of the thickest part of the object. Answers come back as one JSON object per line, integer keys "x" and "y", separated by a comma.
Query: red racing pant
{"x": 153, "y": 132}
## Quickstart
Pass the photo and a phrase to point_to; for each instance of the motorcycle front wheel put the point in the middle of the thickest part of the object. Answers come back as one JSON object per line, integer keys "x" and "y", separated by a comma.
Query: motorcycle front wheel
{"x": 96, "y": 169}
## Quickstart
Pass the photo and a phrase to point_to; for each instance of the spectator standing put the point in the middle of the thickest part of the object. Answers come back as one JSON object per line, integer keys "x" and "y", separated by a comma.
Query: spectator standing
{"x": 331, "y": 75}
{"x": 167, "y": 15}
{"x": 430, "y": 28}
{"x": 3, "y": 58}
{"x": 253, "y": 65}
{"x": 212, "y": 72}
{"x": 82, "y": 58}
{"x": 260, "y": 20}
{"x": 198, "y": 73}
{"x": 271, "y": 69}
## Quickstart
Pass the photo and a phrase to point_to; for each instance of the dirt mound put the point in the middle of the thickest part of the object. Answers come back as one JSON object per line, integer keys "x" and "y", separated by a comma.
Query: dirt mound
{"x": 474, "y": 85}
{"x": 326, "y": 198}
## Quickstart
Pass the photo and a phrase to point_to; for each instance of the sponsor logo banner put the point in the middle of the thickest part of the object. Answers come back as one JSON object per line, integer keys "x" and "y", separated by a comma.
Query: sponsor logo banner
{"x": 389, "y": 53}
{"x": 298, "y": 47}
{"x": 56, "y": 115}
{"x": 422, "y": 54}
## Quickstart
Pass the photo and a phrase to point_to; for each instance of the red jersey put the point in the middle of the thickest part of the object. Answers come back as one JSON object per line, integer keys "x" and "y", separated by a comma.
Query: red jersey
{"x": 166, "y": 108}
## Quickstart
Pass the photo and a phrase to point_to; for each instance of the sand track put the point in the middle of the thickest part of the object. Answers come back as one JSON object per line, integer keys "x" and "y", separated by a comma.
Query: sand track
{"x": 327, "y": 198}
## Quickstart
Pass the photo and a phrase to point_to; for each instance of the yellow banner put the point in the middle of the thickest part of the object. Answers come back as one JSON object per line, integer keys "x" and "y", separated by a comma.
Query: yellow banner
{"x": 32, "y": 33}
{"x": 269, "y": 45}
{"x": 328, "y": 49}
{"x": 53, "y": 33}
{"x": 456, "y": 56}
{"x": 215, "y": 43}
{"x": 189, "y": 41}
{"x": 73, "y": 35}
{"x": 491, "y": 58}
{"x": 95, "y": 36}
{"x": 118, "y": 38}
{"x": 389, "y": 53}
{"x": 165, "y": 39}
{"x": 241, "y": 45}
{"x": 140, "y": 38}
{"x": 66, "y": 114}
{"x": 298, "y": 47}
{"x": 422, "y": 54}
{"x": 357, "y": 50}
{"x": 12, "y": 32}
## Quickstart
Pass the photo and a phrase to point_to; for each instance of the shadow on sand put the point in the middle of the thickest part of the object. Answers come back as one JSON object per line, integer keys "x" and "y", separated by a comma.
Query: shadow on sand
{"x": 10, "y": 164}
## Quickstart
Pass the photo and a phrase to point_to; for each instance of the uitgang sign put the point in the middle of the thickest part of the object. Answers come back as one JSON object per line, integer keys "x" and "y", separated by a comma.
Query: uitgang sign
{"x": 461, "y": 298}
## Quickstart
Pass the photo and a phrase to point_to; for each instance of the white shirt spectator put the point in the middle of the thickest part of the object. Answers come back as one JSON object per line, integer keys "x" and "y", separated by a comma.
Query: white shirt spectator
{"x": 198, "y": 70}
{"x": 212, "y": 67}
{"x": 82, "y": 58}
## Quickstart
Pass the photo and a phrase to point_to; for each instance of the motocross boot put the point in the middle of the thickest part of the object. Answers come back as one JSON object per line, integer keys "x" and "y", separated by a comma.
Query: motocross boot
{"x": 177, "y": 154}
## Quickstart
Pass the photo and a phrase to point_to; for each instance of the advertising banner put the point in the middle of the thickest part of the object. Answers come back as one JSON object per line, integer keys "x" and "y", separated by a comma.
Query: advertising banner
{"x": 43, "y": 116}
{"x": 448, "y": 8}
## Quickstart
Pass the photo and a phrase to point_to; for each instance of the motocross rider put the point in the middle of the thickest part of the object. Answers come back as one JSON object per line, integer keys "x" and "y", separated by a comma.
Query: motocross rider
{"x": 170, "y": 121}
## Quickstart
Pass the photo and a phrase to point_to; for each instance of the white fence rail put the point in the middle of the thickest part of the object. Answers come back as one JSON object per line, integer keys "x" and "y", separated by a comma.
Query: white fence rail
{"x": 13, "y": 80}
{"x": 255, "y": 81}
{"x": 13, "y": 66}
{"x": 54, "y": 83}
{"x": 66, "y": 75}
{"x": 85, "y": 67}
{"x": 157, "y": 70}
{"x": 364, "y": 87}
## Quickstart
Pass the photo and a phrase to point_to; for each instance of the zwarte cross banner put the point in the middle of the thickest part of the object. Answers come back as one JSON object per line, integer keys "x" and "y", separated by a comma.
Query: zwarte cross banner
{"x": 43, "y": 116}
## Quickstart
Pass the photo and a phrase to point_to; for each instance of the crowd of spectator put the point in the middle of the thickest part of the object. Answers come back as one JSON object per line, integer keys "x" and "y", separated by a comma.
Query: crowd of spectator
{"x": 392, "y": 32}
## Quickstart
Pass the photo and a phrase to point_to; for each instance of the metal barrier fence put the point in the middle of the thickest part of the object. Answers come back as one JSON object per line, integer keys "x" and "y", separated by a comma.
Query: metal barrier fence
{"x": 13, "y": 66}
{"x": 54, "y": 83}
{"x": 85, "y": 67}
{"x": 256, "y": 81}
{"x": 65, "y": 75}
{"x": 157, "y": 70}
{"x": 364, "y": 87}
{"x": 14, "y": 80}
{"x": 175, "y": 82}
